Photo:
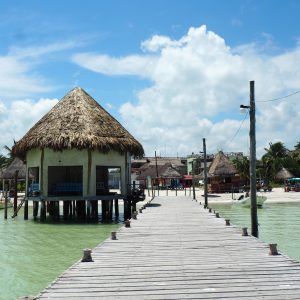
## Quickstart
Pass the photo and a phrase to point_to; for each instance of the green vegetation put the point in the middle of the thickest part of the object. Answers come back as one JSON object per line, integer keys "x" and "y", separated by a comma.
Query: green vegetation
{"x": 276, "y": 157}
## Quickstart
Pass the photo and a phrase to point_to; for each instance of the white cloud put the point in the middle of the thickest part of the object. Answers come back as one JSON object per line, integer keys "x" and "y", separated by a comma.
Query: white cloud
{"x": 19, "y": 116}
{"x": 130, "y": 65}
{"x": 198, "y": 83}
{"x": 18, "y": 77}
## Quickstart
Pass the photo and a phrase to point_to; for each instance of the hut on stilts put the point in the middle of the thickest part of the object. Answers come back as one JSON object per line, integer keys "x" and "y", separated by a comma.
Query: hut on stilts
{"x": 71, "y": 154}
{"x": 222, "y": 175}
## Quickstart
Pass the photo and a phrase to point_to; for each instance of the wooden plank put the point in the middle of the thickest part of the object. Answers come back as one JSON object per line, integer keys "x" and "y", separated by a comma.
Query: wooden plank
{"x": 178, "y": 250}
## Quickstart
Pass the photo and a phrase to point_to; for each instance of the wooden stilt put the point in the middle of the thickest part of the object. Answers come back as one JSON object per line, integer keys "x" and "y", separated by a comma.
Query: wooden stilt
{"x": 5, "y": 201}
{"x": 88, "y": 210}
{"x": 26, "y": 210}
{"x": 94, "y": 210}
{"x": 133, "y": 207}
{"x": 16, "y": 192}
{"x": 127, "y": 209}
{"x": 116, "y": 208}
{"x": 81, "y": 210}
{"x": 57, "y": 210}
{"x": 66, "y": 210}
{"x": 110, "y": 210}
{"x": 103, "y": 210}
{"x": 43, "y": 211}
{"x": 74, "y": 209}
{"x": 35, "y": 209}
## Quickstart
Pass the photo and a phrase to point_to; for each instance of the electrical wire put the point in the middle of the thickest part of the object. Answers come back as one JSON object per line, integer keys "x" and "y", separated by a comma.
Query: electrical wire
{"x": 280, "y": 98}
{"x": 242, "y": 122}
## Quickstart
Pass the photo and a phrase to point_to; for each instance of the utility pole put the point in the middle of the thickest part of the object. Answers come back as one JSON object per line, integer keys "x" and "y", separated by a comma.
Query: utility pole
{"x": 251, "y": 107}
{"x": 205, "y": 174}
{"x": 254, "y": 221}
{"x": 156, "y": 165}
{"x": 193, "y": 173}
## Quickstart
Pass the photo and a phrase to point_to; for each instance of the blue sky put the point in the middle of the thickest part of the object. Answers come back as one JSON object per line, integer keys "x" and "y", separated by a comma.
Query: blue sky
{"x": 172, "y": 72}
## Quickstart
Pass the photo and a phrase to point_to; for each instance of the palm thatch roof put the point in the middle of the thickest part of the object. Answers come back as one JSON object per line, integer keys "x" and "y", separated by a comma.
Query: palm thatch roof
{"x": 284, "y": 174}
{"x": 221, "y": 166}
{"x": 16, "y": 165}
{"x": 164, "y": 171}
{"x": 78, "y": 121}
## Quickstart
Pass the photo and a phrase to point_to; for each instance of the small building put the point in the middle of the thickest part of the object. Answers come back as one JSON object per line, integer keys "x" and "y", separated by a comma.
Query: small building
{"x": 222, "y": 175}
{"x": 75, "y": 153}
{"x": 14, "y": 172}
{"x": 159, "y": 176}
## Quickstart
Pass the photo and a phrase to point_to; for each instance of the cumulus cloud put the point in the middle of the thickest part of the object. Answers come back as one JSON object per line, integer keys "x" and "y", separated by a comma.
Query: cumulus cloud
{"x": 19, "y": 116}
{"x": 198, "y": 83}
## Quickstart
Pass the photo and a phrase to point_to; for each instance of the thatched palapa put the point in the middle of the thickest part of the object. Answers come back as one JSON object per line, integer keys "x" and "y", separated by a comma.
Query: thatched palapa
{"x": 222, "y": 175}
{"x": 283, "y": 174}
{"x": 221, "y": 166}
{"x": 78, "y": 121}
{"x": 16, "y": 165}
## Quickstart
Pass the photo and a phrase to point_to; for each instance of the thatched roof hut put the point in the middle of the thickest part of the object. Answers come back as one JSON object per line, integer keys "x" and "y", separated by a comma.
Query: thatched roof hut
{"x": 164, "y": 171}
{"x": 222, "y": 174}
{"x": 16, "y": 165}
{"x": 283, "y": 174}
{"x": 221, "y": 165}
{"x": 73, "y": 150}
{"x": 78, "y": 121}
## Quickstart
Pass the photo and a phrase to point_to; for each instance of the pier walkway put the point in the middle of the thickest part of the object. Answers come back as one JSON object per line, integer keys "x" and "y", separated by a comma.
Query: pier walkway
{"x": 176, "y": 249}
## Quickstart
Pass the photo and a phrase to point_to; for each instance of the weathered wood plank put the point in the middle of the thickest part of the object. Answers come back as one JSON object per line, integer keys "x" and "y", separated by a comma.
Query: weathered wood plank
{"x": 178, "y": 250}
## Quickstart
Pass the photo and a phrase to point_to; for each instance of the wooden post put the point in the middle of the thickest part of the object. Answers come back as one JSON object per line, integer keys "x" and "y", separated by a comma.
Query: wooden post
{"x": 244, "y": 231}
{"x": 193, "y": 182}
{"x": 5, "y": 202}
{"x": 88, "y": 210}
{"x": 254, "y": 219}
{"x": 273, "y": 249}
{"x": 35, "y": 209}
{"x": 26, "y": 210}
{"x": 43, "y": 211}
{"x": 127, "y": 223}
{"x": 110, "y": 210}
{"x": 56, "y": 210}
{"x": 87, "y": 256}
{"x": 65, "y": 210}
{"x": 113, "y": 235}
{"x": 16, "y": 192}
{"x": 116, "y": 208}
{"x": 205, "y": 174}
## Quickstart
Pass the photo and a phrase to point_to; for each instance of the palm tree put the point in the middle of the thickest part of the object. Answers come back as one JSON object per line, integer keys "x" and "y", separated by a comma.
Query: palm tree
{"x": 242, "y": 165}
{"x": 10, "y": 157}
{"x": 274, "y": 159}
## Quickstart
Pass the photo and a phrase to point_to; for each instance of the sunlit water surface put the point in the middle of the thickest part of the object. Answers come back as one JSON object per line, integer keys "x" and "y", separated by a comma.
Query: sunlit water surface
{"x": 33, "y": 254}
{"x": 278, "y": 223}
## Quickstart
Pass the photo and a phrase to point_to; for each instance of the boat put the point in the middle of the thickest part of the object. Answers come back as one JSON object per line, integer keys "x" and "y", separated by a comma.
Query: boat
{"x": 246, "y": 201}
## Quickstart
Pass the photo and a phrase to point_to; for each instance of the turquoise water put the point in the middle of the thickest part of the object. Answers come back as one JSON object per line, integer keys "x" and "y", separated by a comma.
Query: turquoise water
{"x": 33, "y": 254}
{"x": 279, "y": 223}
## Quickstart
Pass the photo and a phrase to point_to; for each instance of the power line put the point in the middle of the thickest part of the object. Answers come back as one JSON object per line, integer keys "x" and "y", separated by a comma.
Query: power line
{"x": 280, "y": 98}
{"x": 242, "y": 122}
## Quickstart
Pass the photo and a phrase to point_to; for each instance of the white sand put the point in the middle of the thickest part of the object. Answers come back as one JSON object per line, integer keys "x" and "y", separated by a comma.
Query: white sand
{"x": 276, "y": 195}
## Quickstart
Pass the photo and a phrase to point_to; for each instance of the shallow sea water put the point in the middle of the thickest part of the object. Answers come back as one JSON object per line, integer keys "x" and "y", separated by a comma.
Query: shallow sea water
{"x": 279, "y": 223}
{"x": 33, "y": 254}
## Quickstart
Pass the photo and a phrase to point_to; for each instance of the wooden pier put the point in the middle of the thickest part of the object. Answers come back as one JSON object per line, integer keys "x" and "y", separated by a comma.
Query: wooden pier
{"x": 176, "y": 249}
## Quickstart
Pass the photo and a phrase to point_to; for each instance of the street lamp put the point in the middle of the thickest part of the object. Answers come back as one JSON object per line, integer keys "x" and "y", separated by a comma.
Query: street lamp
{"x": 251, "y": 107}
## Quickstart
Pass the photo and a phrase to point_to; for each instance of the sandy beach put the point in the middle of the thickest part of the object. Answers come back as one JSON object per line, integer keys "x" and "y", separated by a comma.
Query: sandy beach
{"x": 276, "y": 195}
